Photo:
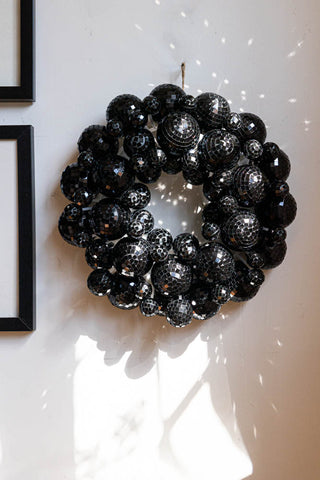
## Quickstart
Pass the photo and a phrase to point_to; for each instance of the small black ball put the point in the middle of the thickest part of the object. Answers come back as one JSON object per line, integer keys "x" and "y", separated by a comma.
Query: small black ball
{"x": 203, "y": 304}
{"x": 136, "y": 197}
{"x": 99, "y": 253}
{"x": 274, "y": 254}
{"x": 227, "y": 204}
{"x": 280, "y": 188}
{"x": 187, "y": 104}
{"x": 110, "y": 218}
{"x": 255, "y": 277}
{"x": 219, "y": 149}
{"x": 123, "y": 292}
{"x": 255, "y": 259}
{"x": 214, "y": 263}
{"x": 77, "y": 232}
{"x": 115, "y": 128}
{"x": 151, "y": 105}
{"x": 96, "y": 139}
{"x": 172, "y": 166}
{"x": 121, "y": 107}
{"x": 72, "y": 212}
{"x": 252, "y": 128}
{"x": 113, "y": 176}
{"x": 252, "y": 149}
{"x": 85, "y": 159}
{"x": 149, "y": 307}
{"x": 210, "y": 231}
{"x": 241, "y": 230}
{"x": 141, "y": 222}
{"x": 233, "y": 122}
{"x": 186, "y": 246}
{"x": 99, "y": 282}
{"x": 138, "y": 141}
{"x": 144, "y": 289}
{"x": 178, "y": 132}
{"x": 274, "y": 162}
{"x": 160, "y": 242}
{"x": 250, "y": 185}
{"x": 169, "y": 96}
{"x": 221, "y": 294}
{"x": 83, "y": 196}
{"x": 179, "y": 312}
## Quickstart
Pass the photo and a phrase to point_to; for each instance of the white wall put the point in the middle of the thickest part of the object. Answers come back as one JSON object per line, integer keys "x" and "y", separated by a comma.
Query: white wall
{"x": 95, "y": 393}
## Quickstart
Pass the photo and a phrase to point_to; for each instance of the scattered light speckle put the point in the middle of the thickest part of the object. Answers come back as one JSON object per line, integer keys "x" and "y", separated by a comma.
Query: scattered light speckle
{"x": 291, "y": 54}
{"x": 261, "y": 95}
{"x": 206, "y": 23}
{"x": 172, "y": 46}
{"x": 230, "y": 102}
{"x": 138, "y": 27}
{"x": 223, "y": 40}
{"x": 157, "y": 2}
{"x": 198, "y": 62}
{"x": 199, "y": 91}
{"x": 226, "y": 81}
{"x": 243, "y": 92}
{"x": 150, "y": 84}
{"x": 241, "y": 109}
{"x": 254, "y": 431}
{"x": 292, "y": 100}
{"x": 250, "y": 42}
{"x": 160, "y": 222}
{"x": 307, "y": 122}
{"x": 183, "y": 14}
{"x": 214, "y": 75}
{"x": 300, "y": 44}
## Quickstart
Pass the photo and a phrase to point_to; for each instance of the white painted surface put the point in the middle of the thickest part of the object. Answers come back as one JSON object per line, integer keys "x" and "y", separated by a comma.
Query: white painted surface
{"x": 96, "y": 393}
{"x": 9, "y": 43}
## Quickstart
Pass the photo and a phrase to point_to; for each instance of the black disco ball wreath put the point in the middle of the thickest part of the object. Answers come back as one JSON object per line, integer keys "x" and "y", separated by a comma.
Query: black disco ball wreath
{"x": 243, "y": 223}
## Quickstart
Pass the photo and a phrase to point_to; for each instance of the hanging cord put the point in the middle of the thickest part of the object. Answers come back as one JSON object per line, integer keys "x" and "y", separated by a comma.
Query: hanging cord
{"x": 183, "y": 70}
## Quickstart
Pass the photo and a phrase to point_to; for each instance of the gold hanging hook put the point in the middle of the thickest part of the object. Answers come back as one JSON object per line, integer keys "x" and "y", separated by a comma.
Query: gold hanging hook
{"x": 183, "y": 70}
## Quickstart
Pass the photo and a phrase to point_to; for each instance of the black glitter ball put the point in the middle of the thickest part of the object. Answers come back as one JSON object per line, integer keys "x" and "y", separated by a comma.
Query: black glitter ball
{"x": 179, "y": 312}
{"x": 136, "y": 197}
{"x": 211, "y": 110}
{"x": 77, "y": 232}
{"x": 141, "y": 222}
{"x": 123, "y": 107}
{"x": 241, "y": 230}
{"x": 214, "y": 263}
{"x": 203, "y": 304}
{"x": 178, "y": 132}
{"x": 219, "y": 148}
{"x": 99, "y": 253}
{"x": 171, "y": 277}
{"x": 73, "y": 178}
{"x": 252, "y": 128}
{"x": 250, "y": 185}
{"x": 113, "y": 176}
{"x": 274, "y": 162}
{"x": 279, "y": 212}
{"x": 186, "y": 246}
{"x": 169, "y": 96}
{"x": 96, "y": 139}
{"x": 149, "y": 307}
{"x": 131, "y": 257}
{"x": 138, "y": 141}
{"x": 123, "y": 292}
{"x": 246, "y": 209}
{"x": 110, "y": 218}
{"x": 99, "y": 282}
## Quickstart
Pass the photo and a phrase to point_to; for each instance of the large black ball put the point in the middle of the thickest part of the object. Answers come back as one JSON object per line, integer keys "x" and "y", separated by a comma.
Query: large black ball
{"x": 136, "y": 197}
{"x": 110, "y": 218}
{"x": 241, "y": 230}
{"x": 177, "y": 133}
{"x": 131, "y": 257}
{"x": 219, "y": 149}
{"x": 214, "y": 263}
{"x": 169, "y": 96}
{"x": 274, "y": 162}
{"x": 74, "y": 178}
{"x": 125, "y": 108}
{"x": 97, "y": 140}
{"x": 99, "y": 253}
{"x": 123, "y": 292}
{"x": 279, "y": 212}
{"x": 113, "y": 176}
{"x": 211, "y": 110}
{"x": 171, "y": 277}
{"x": 77, "y": 232}
{"x": 252, "y": 128}
{"x": 203, "y": 304}
{"x": 250, "y": 185}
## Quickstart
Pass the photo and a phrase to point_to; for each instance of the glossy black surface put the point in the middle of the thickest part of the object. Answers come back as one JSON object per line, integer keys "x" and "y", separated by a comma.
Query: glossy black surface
{"x": 186, "y": 246}
{"x": 279, "y": 212}
{"x": 171, "y": 277}
{"x": 252, "y": 128}
{"x": 210, "y": 231}
{"x": 138, "y": 141}
{"x": 99, "y": 282}
{"x": 77, "y": 232}
{"x": 73, "y": 178}
{"x": 131, "y": 257}
{"x": 136, "y": 197}
{"x": 219, "y": 148}
{"x": 274, "y": 162}
{"x": 99, "y": 253}
{"x": 112, "y": 176}
{"x": 169, "y": 96}
{"x": 96, "y": 139}
{"x": 149, "y": 307}
{"x": 110, "y": 218}
{"x": 123, "y": 292}
{"x": 179, "y": 312}
{"x": 178, "y": 132}
{"x": 214, "y": 263}
{"x": 241, "y": 230}
{"x": 151, "y": 105}
{"x": 211, "y": 110}
{"x": 203, "y": 304}
{"x": 250, "y": 185}
{"x": 141, "y": 223}
{"x": 123, "y": 107}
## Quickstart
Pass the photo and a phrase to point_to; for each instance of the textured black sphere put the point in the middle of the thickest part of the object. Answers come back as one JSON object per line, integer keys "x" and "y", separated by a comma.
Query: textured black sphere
{"x": 214, "y": 263}
{"x": 179, "y": 312}
{"x": 279, "y": 212}
{"x": 203, "y": 304}
{"x": 252, "y": 128}
{"x": 136, "y": 197}
{"x": 252, "y": 149}
{"x": 148, "y": 172}
{"x": 178, "y": 132}
{"x": 221, "y": 294}
{"x": 151, "y": 104}
{"x": 211, "y": 111}
{"x": 110, "y": 218}
{"x": 144, "y": 289}
{"x": 113, "y": 176}
{"x": 72, "y": 212}
{"x": 241, "y": 230}
{"x": 99, "y": 282}
{"x": 123, "y": 292}
{"x": 188, "y": 104}
{"x": 274, "y": 162}
{"x": 160, "y": 242}
{"x": 274, "y": 254}
{"x": 141, "y": 222}
{"x": 210, "y": 231}
{"x": 250, "y": 185}
{"x": 138, "y": 141}
{"x": 233, "y": 122}
{"x": 219, "y": 148}
{"x": 123, "y": 107}
{"x": 115, "y": 128}
{"x": 186, "y": 246}
{"x": 96, "y": 139}
{"x": 73, "y": 178}
{"x": 227, "y": 204}
{"x": 169, "y": 96}
{"x": 173, "y": 165}
{"x": 99, "y": 253}
{"x": 77, "y": 232}
{"x": 255, "y": 259}
{"x": 171, "y": 277}
{"x": 131, "y": 257}
{"x": 210, "y": 213}
{"x": 85, "y": 159}
{"x": 149, "y": 307}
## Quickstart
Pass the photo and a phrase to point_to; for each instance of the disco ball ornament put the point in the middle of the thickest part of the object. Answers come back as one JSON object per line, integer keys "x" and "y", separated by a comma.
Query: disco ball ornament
{"x": 246, "y": 210}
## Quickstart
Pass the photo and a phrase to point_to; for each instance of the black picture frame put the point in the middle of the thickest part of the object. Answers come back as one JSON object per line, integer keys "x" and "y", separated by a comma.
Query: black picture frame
{"x": 23, "y": 134}
{"x": 25, "y": 92}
